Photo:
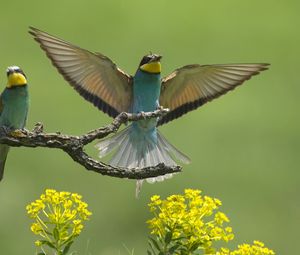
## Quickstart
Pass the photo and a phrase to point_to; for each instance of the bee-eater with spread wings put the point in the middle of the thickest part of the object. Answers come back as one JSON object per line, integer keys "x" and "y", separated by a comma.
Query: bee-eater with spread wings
{"x": 96, "y": 78}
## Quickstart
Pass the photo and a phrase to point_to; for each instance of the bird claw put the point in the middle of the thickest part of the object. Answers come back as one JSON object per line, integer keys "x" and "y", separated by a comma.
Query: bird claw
{"x": 17, "y": 133}
{"x": 143, "y": 115}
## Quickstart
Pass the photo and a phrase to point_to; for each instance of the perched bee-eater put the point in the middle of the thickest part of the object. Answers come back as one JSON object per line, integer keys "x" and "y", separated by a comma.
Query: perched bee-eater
{"x": 14, "y": 103}
{"x": 96, "y": 78}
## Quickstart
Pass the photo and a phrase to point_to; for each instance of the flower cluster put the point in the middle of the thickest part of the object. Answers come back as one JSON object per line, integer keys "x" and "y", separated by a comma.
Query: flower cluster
{"x": 258, "y": 248}
{"x": 187, "y": 223}
{"x": 58, "y": 219}
{"x": 191, "y": 224}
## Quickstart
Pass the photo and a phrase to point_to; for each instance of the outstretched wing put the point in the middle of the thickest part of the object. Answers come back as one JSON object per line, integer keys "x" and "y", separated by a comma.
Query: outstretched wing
{"x": 93, "y": 75}
{"x": 191, "y": 86}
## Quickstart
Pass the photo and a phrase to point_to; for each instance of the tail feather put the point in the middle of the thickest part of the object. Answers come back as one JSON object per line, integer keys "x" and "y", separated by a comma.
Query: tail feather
{"x": 118, "y": 159}
{"x": 139, "y": 151}
{"x": 3, "y": 155}
{"x": 125, "y": 161}
{"x": 148, "y": 159}
{"x": 107, "y": 145}
{"x": 169, "y": 147}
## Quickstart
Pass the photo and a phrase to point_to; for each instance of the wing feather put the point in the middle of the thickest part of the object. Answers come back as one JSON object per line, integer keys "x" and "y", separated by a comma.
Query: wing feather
{"x": 191, "y": 86}
{"x": 93, "y": 75}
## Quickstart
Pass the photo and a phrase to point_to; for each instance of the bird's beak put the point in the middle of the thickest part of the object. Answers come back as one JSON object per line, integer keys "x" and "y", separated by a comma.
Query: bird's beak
{"x": 156, "y": 58}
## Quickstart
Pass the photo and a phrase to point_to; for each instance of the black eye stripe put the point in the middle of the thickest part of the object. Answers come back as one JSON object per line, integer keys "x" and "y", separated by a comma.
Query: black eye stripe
{"x": 145, "y": 60}
{"x": 15, "y": 71}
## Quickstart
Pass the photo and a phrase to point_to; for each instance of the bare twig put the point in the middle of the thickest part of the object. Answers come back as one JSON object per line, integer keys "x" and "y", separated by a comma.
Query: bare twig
{"x": 74, "y": 146}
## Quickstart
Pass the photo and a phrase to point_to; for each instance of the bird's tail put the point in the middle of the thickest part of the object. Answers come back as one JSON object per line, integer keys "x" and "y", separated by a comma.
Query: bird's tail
{"x": 3, "y": 154}
{"x": 135, "y": 151}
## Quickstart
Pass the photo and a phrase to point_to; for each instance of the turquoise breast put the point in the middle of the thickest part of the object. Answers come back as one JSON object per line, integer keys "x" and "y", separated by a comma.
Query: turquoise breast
{"x": 146, "y": 92}
{"x": 15, "y": 107}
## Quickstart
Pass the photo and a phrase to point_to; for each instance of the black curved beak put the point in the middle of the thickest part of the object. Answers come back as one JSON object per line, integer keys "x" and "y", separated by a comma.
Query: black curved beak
{"x": 156, "y": 58}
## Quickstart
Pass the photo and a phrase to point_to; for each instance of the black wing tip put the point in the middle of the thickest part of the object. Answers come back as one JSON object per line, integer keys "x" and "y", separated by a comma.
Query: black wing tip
{"x": 32, "y": 28}
{"x": 182, "y": 110}
{"x": 96, "y": 101}
{"x": 265, "y": 66}
{"x": 34, "y": 31}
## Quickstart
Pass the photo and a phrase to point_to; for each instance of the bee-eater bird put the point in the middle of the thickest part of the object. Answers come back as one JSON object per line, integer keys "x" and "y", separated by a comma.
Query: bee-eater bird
{"x": 14, "y": 102}
{"x": 96, "y": 78}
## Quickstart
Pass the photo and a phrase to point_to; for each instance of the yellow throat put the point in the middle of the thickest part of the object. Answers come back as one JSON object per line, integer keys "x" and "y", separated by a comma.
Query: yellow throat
{"x": 16, "y": 79}
{"x": 151, "y": 67}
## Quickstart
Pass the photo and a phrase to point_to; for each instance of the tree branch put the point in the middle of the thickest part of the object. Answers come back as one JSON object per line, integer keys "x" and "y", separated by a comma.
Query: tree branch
{"x": 74, "y": 146}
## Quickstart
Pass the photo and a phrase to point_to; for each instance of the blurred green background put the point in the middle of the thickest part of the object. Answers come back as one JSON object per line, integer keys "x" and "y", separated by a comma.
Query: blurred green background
{"x": 244, "y": 146}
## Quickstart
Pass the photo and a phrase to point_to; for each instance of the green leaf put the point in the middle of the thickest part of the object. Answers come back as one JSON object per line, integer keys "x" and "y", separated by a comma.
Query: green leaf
{"x": 182, "y": 249}
{"x": 174, "y": 248}
{"x": 55, "y": 234}
{"x": 67, "y": 248}
{"x": 48, "y": 243}
{"x": 149, "y": 252}
{"x": 194, "y": 247}
{"x": 68, "y": 240}
{"x": 155, "y": 243}
{"x": 168, "y": 237}
{"x": 41, "y": 253}
{"x": 151, "y": 246}
{"x": 178, "y": 238}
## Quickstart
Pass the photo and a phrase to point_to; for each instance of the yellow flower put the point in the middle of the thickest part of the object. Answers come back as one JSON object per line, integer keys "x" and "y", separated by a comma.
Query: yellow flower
{"x": 58, "y": 217}
{"x": 220, "y": 218}
{"x": 36, "y": 228}
{"x": 188, "y": 217}
{"x": 258, "y": 248}
{"x": 191, "y": 223}
{"x": 258, "y": 243}
{"x": 38, "y": 243}
{"x": 77, "y": 227}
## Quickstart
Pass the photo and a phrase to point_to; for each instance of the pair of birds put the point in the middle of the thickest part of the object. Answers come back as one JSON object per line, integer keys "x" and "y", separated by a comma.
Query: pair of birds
{"x": 96, "y": 78}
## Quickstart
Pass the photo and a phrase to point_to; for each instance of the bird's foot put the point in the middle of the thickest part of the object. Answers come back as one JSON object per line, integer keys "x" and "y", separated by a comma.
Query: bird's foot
{"x": 162, "y": 109}
{"x": 17, "y": 133}
{"x": 143, "y": 114}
